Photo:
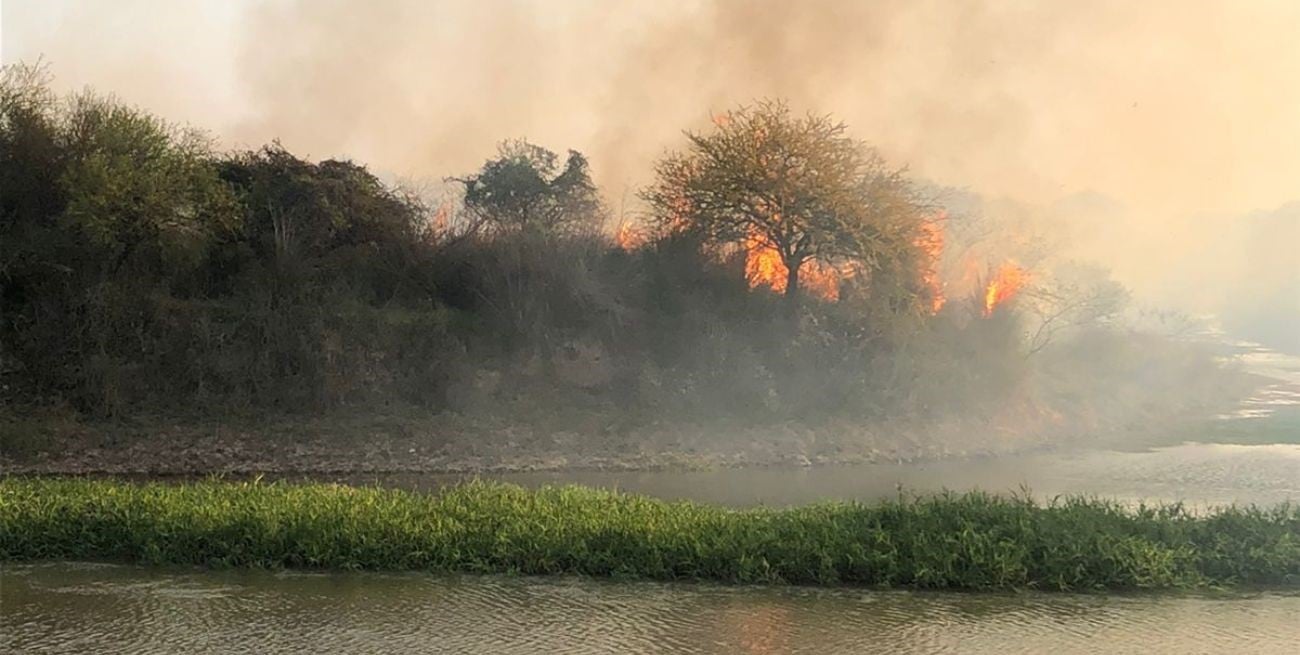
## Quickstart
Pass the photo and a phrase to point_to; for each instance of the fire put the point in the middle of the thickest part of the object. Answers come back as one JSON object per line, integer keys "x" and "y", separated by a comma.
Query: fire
{"x": 931, "y": 244}
{"x": 763, "y": 267}
{"x": 441, "y": 218}
{"x": 629, "y": 237}
{"x": 1003, "y": 286}
{"x": 822, "y": 281}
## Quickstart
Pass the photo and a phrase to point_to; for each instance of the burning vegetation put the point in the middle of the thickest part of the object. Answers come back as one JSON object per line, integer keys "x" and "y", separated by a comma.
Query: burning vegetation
{"x": 764, "y": 268}
{"x": 144, "y": 272}
{"x": 1003, "y": 285}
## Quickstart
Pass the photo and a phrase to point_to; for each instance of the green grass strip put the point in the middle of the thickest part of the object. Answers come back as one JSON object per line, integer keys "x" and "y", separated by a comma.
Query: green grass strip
{"x": 953, "y": 541}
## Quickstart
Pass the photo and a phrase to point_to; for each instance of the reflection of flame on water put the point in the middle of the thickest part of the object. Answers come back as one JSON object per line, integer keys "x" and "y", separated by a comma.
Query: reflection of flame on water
{"x": 1005, "y": 283}
{"x": 759, "y": 629}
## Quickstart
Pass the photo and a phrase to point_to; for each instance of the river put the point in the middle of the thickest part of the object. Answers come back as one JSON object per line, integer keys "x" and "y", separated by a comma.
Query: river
{"x": 1251, "y": 455}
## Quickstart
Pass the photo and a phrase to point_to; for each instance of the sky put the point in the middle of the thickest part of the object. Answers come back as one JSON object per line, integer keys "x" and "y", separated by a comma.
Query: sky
{"x": 1163, "y": 135}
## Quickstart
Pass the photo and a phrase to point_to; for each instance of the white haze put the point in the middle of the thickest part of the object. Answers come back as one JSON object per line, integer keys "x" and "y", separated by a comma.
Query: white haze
{"x": 1160, "y": 138}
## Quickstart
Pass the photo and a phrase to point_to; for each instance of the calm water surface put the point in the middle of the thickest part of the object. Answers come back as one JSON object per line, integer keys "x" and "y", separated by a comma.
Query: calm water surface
{"x": 1251, "y": 455}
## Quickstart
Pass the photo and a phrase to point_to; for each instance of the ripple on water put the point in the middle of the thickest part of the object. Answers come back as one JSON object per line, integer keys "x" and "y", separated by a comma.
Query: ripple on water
{"x": 71, "y": 609}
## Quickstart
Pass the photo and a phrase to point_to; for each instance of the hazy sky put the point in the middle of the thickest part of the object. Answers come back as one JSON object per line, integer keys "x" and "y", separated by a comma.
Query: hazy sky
{"x": 1184, "y": 116}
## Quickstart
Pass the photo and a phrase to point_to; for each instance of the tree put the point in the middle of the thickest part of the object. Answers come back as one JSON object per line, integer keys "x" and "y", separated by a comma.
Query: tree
{"x": 296, "y": 208}
{"x": 797, "y": 185}
{"x": 141, "y": 190}
{"x": 31, "y": 157}
{"x": 1076, "y": 296}
{"x": 524, "y": 189}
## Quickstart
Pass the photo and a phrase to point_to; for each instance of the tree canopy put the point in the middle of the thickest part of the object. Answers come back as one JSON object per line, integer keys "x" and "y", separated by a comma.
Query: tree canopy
{"x": 524, "y": 188}
{"x": 799, "y": 185}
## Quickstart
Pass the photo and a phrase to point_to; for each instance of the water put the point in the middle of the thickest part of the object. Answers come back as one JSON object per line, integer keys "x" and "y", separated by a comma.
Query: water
{"x": 1251, "y": 455}
{"x": 1197, "y": 474}
{"x": 80, "y": 608}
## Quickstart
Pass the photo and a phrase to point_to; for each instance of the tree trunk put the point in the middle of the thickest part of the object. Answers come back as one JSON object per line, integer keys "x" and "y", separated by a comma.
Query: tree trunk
{"x": 792, "y": 285}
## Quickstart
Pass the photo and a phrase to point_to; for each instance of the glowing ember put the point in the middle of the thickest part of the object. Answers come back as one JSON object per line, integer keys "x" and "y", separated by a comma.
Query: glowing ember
{"x": 1003, "y": 286}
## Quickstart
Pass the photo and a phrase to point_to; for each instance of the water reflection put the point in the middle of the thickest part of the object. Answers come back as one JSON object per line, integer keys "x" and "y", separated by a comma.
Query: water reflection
{"x": 79, "y": 608}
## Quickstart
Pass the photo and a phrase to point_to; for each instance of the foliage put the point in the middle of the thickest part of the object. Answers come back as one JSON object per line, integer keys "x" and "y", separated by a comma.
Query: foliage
{"x": 143, "y": 272}
{"x": 1078, "y": 297}
{"x": 972, "y": 541}
{"x": 798, "y": 185}
{"x": 524, "y": 190}
{"x": 143, "y": 269}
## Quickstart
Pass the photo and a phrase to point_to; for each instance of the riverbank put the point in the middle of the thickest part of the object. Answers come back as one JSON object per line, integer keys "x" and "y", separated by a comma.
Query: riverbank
{"x": 50, "y": 441}
{"x": 973, "y": 541}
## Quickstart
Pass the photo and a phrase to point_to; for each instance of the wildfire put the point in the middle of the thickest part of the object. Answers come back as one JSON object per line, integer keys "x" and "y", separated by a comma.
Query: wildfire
{"x": 763, "y": 267}
{"x": 1003, "y": 286}
{"x": 441, "y": 218}
{"x": 931, "y": 245}
{"x": 629, "y": 237}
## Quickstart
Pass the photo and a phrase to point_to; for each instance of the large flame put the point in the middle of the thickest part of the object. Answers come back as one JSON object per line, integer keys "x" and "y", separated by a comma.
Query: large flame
{"x": 1005, "y": 283}
{"x": 764, "y": 268}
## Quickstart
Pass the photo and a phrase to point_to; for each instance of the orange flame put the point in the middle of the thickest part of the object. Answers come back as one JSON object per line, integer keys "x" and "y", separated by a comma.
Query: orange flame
{"x": 630, "y": 238}
{"x": 763, "y": 267}
{"x": 1004, "y": 285}
{"x": 822, "y": 281}
{"x": 930, "y": 242}
{"x": 441, "y": 218}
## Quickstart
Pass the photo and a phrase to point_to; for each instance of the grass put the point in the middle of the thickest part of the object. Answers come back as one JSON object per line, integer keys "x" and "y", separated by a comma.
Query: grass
{"x": 969, "y": 541}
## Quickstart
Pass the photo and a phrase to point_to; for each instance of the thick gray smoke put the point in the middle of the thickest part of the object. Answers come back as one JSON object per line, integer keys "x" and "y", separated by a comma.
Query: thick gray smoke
{"x": 1162, "y": 136}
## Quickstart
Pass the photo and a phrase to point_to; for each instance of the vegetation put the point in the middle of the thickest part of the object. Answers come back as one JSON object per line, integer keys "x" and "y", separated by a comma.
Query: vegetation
{"x": 973, "y": 541}
{"x": 801, "y": 187}
{"x": 146, "y": 273}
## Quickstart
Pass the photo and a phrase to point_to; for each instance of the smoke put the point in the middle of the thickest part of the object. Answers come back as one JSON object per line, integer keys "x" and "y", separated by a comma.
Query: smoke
{"x": 1156, "y": 133}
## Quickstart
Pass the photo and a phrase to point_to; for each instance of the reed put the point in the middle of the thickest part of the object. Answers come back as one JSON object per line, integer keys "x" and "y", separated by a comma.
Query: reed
{"x": 954, "y": 541}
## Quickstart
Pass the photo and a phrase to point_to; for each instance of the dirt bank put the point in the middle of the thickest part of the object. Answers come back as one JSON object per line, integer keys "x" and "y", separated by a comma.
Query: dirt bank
{"x": 51, "y": 442}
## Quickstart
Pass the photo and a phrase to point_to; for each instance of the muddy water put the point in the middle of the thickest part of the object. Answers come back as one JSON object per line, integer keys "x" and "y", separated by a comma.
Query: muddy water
{"x": 79, "y": 608}
{"x": 1251, "y": 455}
{"x": 1198, "y": 474}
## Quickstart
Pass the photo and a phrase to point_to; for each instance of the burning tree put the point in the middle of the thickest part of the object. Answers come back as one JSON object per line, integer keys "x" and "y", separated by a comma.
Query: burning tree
{"x": 807, "y": 203}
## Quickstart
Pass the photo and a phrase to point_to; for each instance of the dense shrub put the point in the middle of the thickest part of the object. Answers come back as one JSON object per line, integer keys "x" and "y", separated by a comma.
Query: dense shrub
{"x": 143, "y": 271}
